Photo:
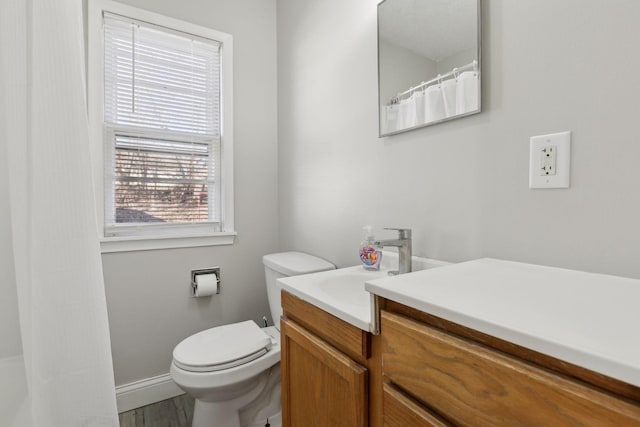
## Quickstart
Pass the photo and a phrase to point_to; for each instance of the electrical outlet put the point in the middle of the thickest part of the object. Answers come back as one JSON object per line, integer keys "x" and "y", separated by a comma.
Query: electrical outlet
{"x": 550, "y": 160}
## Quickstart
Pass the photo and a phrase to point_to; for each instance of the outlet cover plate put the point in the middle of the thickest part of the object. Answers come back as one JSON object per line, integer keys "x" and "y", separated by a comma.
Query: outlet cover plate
{"x": 562, "y": 143}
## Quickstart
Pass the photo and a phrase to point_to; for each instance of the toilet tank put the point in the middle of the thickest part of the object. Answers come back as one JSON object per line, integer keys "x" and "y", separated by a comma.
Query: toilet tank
{"x": 285, "y": 264}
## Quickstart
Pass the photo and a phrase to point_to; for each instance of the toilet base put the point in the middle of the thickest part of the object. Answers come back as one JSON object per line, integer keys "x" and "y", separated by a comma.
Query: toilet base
{"x": 274, "y": 421}
{"x": 225, "y": 413}
{"x": 266, "y": 406}
{"x": 252, "y": 409}
{"x": 218, "y": 414}
{"x": 208, "y": 414}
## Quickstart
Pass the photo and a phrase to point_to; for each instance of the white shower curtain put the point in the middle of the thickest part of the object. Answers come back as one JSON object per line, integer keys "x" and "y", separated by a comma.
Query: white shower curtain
{"x": 449, "y": 95}
{"x": 467, "y": 92}
{"x": 63, "y": 316}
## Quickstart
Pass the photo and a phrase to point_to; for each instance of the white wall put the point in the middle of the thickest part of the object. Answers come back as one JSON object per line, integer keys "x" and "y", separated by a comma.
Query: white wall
{"x": 463, "y": 185}
{"x": 401, "y": 68}
{"x": 150, "y": 309}
{"x": 458, "y": 60}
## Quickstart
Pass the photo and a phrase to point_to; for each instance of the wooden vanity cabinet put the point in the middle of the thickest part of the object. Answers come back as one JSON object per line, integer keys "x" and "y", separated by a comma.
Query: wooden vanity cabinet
{"x": 327, "y": 368}
{"x": 433, "y": 377}
{"x": 323, "y": 386}
{"x": 401, "y": 410}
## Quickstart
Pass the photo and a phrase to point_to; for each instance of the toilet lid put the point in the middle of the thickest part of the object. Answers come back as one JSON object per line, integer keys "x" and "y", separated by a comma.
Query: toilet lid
{"x": 222, "y": 347}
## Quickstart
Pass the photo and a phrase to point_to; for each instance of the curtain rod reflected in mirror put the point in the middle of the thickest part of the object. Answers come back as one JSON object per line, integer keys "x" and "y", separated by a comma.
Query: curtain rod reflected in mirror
{"x": 428, "y": 62}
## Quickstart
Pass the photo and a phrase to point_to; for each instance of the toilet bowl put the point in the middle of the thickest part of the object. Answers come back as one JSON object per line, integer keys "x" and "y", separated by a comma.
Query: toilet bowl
{"x": 233, "y": 371}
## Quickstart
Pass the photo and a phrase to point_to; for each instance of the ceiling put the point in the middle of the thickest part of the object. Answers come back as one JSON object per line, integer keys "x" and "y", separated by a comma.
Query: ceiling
{"x": 435, "y": 29}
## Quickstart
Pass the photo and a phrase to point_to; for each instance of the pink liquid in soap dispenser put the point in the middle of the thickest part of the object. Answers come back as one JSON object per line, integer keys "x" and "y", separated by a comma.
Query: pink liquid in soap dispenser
{"x": 370, "y": 254}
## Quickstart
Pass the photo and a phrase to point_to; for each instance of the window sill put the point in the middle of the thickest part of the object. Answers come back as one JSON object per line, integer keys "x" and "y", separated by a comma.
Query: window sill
{"x": 149, "y": 243}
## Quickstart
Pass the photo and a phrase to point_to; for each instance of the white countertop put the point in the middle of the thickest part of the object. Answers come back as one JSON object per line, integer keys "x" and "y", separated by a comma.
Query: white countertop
{"x": 350, "y": 302}
{"x": 341, "y": 292}
{"x": 590, "y": 320}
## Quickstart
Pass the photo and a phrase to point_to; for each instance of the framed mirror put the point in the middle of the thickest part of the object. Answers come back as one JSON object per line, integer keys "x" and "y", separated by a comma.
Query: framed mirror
{"x": 428, "y": 62}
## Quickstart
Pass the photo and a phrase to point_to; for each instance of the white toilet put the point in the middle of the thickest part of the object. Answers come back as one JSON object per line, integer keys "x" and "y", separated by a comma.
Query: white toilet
{"x": 233, "y": 371}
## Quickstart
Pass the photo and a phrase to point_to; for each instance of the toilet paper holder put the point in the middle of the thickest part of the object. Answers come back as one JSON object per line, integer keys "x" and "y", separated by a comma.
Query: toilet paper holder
{"x": 203, "y": 271}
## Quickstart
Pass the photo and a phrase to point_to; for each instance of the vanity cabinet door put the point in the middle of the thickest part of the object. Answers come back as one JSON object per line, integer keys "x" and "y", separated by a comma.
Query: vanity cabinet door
{"x": 321, "y": 386}
{"x": 471, "y": 384}
{"x": 401, "y": 411}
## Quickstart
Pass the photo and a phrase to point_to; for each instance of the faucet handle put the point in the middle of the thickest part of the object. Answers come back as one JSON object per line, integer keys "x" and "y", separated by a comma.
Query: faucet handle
{"x": 403, "y": 233}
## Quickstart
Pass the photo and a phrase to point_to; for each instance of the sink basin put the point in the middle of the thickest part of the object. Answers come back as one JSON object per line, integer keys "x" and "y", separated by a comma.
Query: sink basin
{"x": 347, "y": 286}
{"x": 341, "y": 292}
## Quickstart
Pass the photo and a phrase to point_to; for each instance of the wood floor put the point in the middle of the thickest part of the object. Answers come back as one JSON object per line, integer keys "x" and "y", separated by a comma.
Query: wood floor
{"x": 176, "y": 412}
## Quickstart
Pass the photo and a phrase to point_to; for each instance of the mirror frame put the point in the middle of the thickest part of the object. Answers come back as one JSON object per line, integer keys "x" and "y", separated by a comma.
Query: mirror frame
{"x": 446, "y": 119}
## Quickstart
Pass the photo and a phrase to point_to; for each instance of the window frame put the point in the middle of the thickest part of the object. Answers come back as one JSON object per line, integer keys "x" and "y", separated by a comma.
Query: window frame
{"x": 154, "y": 236}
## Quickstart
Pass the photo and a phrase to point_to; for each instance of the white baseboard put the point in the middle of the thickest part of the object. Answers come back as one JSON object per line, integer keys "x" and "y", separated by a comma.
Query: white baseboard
{"x": 145, "y": 392}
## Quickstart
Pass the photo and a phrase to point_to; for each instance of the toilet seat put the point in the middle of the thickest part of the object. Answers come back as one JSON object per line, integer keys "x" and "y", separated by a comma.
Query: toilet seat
{"x": 222, "y": 347}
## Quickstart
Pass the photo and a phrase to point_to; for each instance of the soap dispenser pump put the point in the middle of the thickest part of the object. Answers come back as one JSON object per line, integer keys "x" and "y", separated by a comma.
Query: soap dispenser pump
{"x": 370, "y": 254}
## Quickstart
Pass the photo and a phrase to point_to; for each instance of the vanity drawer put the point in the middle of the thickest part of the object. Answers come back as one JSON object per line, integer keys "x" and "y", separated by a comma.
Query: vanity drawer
{"x": 345, "y": 337}
{"x": 401, "y": 411}
{"x": 471, "y": 384}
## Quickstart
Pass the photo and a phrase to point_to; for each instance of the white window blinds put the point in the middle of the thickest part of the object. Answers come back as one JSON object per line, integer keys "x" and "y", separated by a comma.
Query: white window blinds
{"x": 162, "y": 126}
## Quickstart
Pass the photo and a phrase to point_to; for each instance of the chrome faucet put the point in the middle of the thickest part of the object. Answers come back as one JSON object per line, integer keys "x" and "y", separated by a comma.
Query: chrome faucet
{"x": 403, "y": 243}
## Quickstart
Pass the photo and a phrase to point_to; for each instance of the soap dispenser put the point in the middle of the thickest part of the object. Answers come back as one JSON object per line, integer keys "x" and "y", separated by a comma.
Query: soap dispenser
{"x": 370, "y": 254}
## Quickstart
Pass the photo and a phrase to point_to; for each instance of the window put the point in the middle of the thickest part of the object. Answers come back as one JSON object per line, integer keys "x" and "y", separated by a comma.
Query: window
{"x": 165, "y": 126}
